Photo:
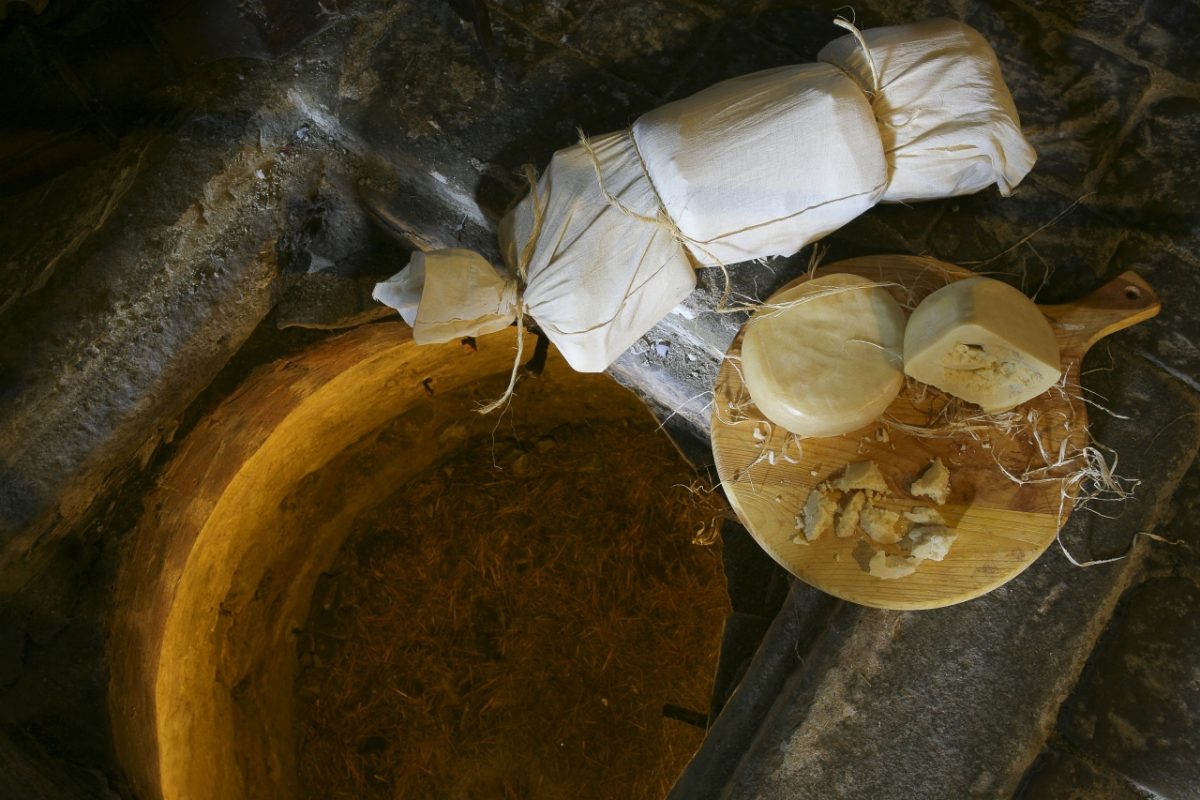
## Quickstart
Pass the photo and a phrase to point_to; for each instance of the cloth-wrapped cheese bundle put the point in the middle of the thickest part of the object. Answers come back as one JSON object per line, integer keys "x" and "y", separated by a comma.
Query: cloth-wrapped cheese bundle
{"x": 605, "y": 245}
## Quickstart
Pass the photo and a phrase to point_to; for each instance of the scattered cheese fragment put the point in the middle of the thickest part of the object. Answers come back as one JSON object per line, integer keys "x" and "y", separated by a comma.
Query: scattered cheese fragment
{"x": 984, "y": 341}
{"x": 880, "y": 524}
{"x": 819, "y": 511}
{"x": 929, "y": 542}
{"x": 824, "y": 358}
{"x": 889, "y": 567}
{"x": 848, "y": 519}
{"x": 924, "y": 515}
{"x": 934, "y": 483}
{"x": 861, "y": 475}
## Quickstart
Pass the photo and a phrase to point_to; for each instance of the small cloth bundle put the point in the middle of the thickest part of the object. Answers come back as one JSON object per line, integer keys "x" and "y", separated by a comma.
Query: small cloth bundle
{"x": 605, "y": 244}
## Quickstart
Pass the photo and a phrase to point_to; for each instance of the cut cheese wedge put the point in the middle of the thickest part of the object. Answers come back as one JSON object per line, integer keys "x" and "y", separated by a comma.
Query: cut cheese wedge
{"x": 824, "y": 357}
{"x": 983, "y": 341}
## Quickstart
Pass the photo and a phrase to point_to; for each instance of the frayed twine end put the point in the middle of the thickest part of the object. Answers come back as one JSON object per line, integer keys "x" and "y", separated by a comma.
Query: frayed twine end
{"x": 1128, "y": 550}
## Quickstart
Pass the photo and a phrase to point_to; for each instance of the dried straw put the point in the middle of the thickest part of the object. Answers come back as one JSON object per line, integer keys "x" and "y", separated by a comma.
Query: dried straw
{"x": 486, "y": 646}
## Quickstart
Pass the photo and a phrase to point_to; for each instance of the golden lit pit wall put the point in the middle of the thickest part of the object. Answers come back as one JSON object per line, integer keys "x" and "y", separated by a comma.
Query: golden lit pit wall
{"x": 253, "y": 506}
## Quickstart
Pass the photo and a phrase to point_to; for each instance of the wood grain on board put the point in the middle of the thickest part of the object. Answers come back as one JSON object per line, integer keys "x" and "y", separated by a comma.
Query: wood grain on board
{"x": 1002, "y": 525}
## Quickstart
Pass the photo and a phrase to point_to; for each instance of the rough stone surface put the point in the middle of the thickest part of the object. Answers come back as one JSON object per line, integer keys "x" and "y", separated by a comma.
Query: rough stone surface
{"x": 1168, "y": 339}
{"x": 1150, "y": 184}
{"x": 329, "y": 302}
{"x": 644, "y": 43}
{"x": 1183, "y": 559}
{"x": 1165, "y": 32}
{"x": 1138, "y": 707}
{"x": 27, "y": 771}
{"x": 139, "y": 313}
{"x": 1058, "y": 775}
{"x": 1073, "y": 96}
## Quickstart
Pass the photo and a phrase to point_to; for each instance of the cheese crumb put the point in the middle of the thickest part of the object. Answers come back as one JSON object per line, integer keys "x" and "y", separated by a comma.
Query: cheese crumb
{"x": 851, "y": 510}
{"x": 934, "y": 483}
{"x": 889, "y": 567}
{"x": 819, "y": 511}
{"x": 924, "y": 515}
{"x": 880, "y": 524}
{"x": 861, "y": 475}
{"x": 929, "y": 542}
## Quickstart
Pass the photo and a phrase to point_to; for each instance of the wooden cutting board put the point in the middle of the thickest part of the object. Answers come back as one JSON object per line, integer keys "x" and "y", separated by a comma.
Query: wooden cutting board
{"x": 1002, "y": 526}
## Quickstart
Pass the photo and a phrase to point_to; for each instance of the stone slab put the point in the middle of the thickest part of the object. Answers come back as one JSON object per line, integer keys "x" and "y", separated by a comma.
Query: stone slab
{"x": 1059, "y": 775}
{"x": 1152, "y": 184}
{"x": 1138, "y": 706}
{"x": 1168, "y": 340}
{"x": 1073, "y": 96}
{"x": 29, "y": 773}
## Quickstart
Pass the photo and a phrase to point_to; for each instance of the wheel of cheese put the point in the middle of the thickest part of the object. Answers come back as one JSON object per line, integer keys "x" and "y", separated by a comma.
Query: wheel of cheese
{"x": 983, "y": 341}
{"x": 825, "y": 357}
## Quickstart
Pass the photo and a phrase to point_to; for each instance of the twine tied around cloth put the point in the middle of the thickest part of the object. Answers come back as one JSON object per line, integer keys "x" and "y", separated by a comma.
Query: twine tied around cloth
{"x": 522, "y": 276}
{"x": 862, "y": 42}
{"x": 663, "y": 219}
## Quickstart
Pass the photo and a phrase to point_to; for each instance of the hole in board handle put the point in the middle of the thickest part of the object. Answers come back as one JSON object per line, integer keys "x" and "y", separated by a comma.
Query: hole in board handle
{"x": 1133, "y": 293}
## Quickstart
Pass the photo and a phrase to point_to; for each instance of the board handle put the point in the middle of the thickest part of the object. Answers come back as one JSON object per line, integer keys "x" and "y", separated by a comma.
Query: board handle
{"x": 1125, "y": 300}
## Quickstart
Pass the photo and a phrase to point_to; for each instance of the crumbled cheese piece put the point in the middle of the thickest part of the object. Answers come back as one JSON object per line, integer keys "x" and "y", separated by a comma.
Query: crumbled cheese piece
{"x": 799, "y": 540}
{"x": 881, "y": 435}
{"x": 880, "y": 524}
{"x": 848, "y": 520}
{"x": 929, "y": 542}
{"x": 861, "y": 475}
{"x": 889, "y": 567}
{"x": 819, "y": 511}
{"x": 924, "y": 515}
{"x": 934, "y": 483}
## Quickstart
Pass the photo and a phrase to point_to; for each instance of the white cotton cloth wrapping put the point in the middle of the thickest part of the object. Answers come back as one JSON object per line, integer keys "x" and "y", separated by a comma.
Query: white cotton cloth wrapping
{"x": 763, "y": 164}
{"x": 448, "y": 294}
{"x": 598, "y": 278}
{"x": 946, "y": 119}
{"x": 754, "y": 166}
